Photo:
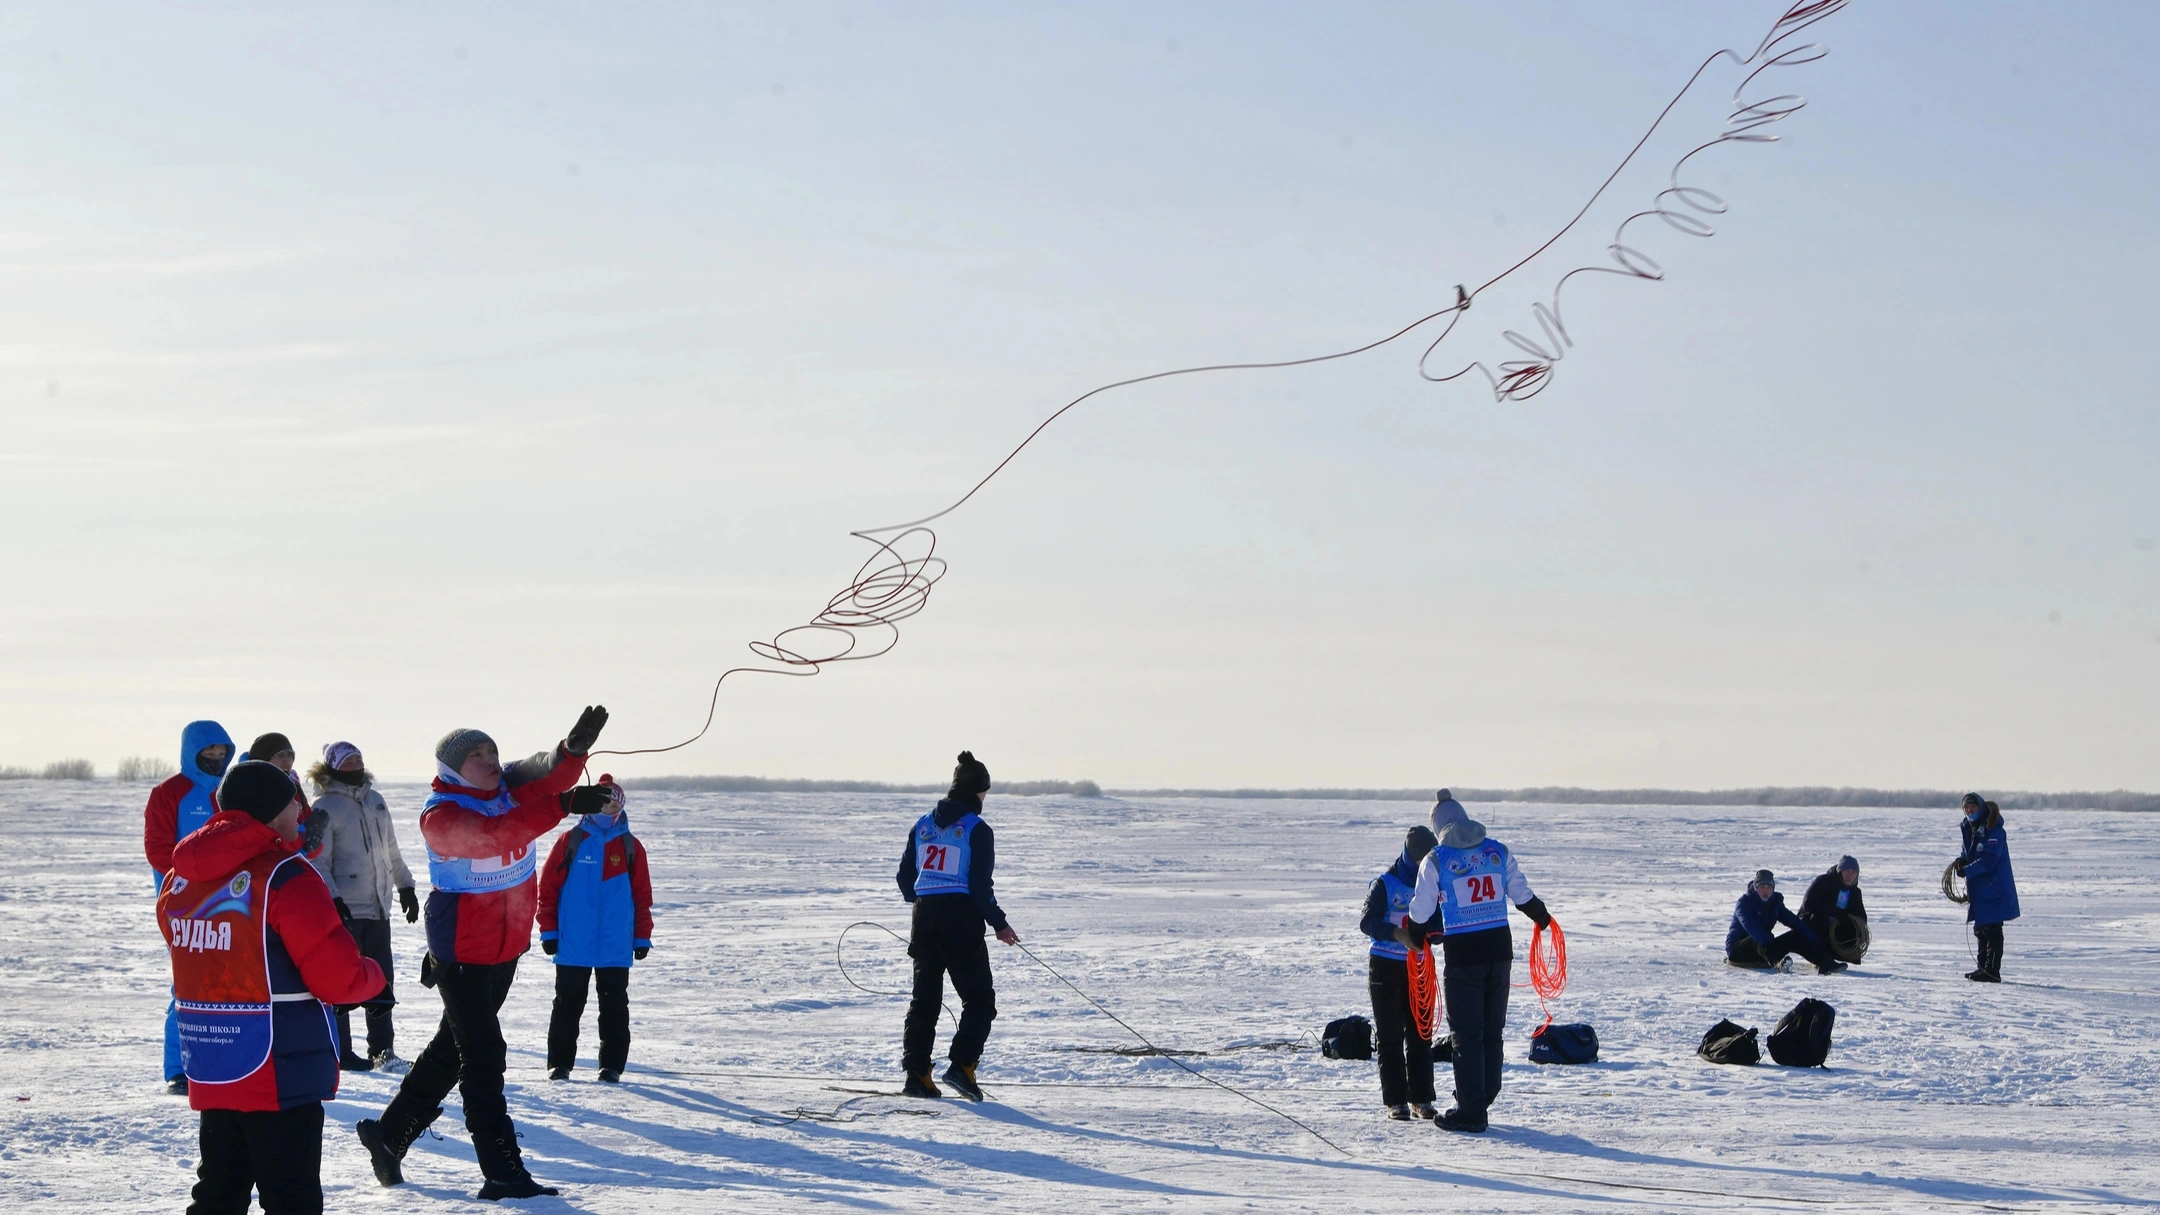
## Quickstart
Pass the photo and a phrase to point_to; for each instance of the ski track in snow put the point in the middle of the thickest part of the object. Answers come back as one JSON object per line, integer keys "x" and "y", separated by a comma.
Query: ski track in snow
{"x": 1207, "y": 924}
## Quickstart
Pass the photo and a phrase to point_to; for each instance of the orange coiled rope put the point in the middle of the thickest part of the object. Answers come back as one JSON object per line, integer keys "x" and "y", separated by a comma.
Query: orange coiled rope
{"x": 1424, "y": 992}
{"x": 1548, "y": 970}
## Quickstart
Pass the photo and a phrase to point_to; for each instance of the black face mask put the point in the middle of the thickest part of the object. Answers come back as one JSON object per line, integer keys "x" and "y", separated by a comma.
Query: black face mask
{"x": 203, "y": 764}
{"x": 343, "y": 777}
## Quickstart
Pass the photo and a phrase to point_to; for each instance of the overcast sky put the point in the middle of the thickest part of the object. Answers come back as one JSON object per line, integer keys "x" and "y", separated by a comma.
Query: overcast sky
{"x": 369, "y": 371}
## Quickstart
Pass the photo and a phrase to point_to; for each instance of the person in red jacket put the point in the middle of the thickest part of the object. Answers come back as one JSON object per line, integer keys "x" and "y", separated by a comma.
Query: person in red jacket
{"x": 179, "y": 806}
{"x": 258, "y": 955}
{"x": 595, "y": 920}
{"x": 479, "y": 826}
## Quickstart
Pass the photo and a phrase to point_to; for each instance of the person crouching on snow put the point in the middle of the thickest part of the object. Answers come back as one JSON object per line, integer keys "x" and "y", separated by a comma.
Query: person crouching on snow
{"x": 1835, "y": 911}
{"x": 945, "y": 871}
{"x": 479, "y": 826}
{"x": 258, "y": 951}
{"x": 1749, "y": 941}
{"x": 595, "y": 920}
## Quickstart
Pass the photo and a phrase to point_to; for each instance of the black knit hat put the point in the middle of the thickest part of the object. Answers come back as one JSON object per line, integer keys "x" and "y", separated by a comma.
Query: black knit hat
{"x": 256, "y": 788}
{"x": 1763, "y": 877}
{"x": 969, "y": 777}
{"x": 1418, "y": 842}
{"x": 267, "y": 746}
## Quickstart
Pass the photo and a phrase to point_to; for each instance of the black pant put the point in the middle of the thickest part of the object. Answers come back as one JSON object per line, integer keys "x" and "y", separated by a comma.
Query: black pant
{"x": 467, "y": 1052}
{"x": 373, "y": 937}
{"x": 947, "y": 938}
{"x": 1991, "y": 949}
{"x": 570, "y": 985}
{"x": 1476, "y": 999}
{"x": 1746, "y": 952}
{"x": 277, "y": 1152}
{"x": 1405, "y": 1055}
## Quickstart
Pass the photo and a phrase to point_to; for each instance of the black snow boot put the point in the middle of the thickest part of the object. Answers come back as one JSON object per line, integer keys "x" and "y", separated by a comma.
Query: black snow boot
{"x": 962, "y": 1077}
{"x": 177, "y": 1086}
{"x": 1458, "y": 1120}
{"x": 920, "y": 1086}
{"x": 504, "y": 1167}
{"x": 386, "y": 1145}
{"x": 1400, "y": 1112}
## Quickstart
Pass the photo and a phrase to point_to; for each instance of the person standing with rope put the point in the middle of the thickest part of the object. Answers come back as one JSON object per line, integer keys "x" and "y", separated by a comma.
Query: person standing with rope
{"x": 1403, "y": 1050}
{"x": 1991, "y": 888}
{"x": 945, "y": 871}
{"x": 1464, "y": 886}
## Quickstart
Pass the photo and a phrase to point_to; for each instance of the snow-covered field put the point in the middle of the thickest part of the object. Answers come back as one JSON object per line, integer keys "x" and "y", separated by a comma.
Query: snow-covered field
{"x": 1210, "y": 925}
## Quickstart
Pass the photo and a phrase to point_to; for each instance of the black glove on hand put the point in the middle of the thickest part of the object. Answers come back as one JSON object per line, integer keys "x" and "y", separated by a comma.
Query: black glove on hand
{"x": 587, "y": 730}
{"x": 590, "y": 799}
{"x": 548, "y": 948}
{"x": 1535, "y": 909}
{"x": 640, "y": 952}
{"x": 1959, "y": 865}
{"x": 343, "y": 912}
{"x": 409, "y": 900}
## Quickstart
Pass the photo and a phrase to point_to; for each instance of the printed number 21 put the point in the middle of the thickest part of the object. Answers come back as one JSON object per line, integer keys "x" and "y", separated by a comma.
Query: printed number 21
{"x": 934, "y": 857}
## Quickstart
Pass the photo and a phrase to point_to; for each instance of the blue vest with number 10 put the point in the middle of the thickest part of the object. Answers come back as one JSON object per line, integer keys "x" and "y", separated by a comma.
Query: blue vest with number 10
{"x": 1473, "y": 887}
{"x": 1398, "y": 912}
{"x": 941, "y": 855}
{"x": 478, "y": 875}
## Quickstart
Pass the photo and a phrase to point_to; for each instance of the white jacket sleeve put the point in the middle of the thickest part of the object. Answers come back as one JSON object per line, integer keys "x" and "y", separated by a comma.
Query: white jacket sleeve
{"x": 1425, "y": 897}
{"x": 1518, "y": 886}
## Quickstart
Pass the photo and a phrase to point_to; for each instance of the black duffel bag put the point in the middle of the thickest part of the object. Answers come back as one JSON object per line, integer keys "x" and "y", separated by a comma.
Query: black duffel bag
{"x": 1728, "y": 1043}
{"x": 1564, "y": 1044}
{"x": 1347, "y": 1038}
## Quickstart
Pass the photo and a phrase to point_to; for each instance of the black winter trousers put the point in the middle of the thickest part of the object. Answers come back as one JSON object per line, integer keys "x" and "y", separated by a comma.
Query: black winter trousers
{"x": 275, "y": 1152}
{"x": 468, "y": 1053}
{"x": 1476, "y": 998}
{"x": 373, "y": 938}
{"x": 1406, "y": 1071}
{"x": 1991, "y": 948}
{"x": 1745, "y": 952}
{"x": 571, "y": 983}
{"x": 947, "y": 939}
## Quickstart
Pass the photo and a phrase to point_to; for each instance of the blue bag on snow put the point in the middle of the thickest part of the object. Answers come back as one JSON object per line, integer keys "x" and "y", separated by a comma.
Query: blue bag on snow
{"x": 1564, "y": 1044}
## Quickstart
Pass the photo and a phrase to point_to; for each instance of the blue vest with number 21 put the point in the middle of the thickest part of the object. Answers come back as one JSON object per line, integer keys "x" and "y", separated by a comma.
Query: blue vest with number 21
{"x": 1473, "y": 887}
{"x": 941, "y": 855}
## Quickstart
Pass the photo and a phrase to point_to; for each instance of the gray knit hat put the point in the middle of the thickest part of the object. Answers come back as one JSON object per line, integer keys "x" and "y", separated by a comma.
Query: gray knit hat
{"x": 1763, "y": 877}
{"x": 458, "y": 745}
{"x": 1447, "y": 812}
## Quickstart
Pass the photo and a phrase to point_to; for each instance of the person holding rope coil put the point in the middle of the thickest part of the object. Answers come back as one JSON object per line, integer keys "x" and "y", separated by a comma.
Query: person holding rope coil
{"x": 1990, "y": 887}
{"x": 1404, "y": 1052}
{"x": 1464, "y": 886}
{"x": 1834, "y": 909}
{"x": 945, "y": 871}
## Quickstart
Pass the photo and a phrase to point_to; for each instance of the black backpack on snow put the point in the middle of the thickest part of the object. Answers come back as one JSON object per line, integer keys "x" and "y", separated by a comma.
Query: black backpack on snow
{"x": 1728, "y": 1043}
{"x": 1347, "y": 1038}
{"x": 1802, "y": 1038}
{"x": 1564, "y": 1044}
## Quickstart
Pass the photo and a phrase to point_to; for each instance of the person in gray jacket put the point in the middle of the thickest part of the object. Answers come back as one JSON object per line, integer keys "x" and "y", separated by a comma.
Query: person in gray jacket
{"x": 361, "y": 862}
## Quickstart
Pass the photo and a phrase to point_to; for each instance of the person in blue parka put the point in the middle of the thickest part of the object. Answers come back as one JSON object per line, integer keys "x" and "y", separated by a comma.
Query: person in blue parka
{"x": 1984, "y": 862}
{"x": 595, "y": 920}
{"x": 1752, "y": 940}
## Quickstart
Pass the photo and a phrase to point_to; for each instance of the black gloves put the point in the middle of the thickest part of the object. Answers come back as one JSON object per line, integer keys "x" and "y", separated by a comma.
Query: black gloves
{"x": 1535, "y": 909}
{"x": 343, "y": 912}
{"x": 1959, "y": 865}
{"x": 409, "y": 900}
{"x": 547, "y": 947}
{"x": 1402, "y": 935}
{"x": 587, "y": 730}
{"x": 640, "y": 952}
{"x": 590, "y": 799}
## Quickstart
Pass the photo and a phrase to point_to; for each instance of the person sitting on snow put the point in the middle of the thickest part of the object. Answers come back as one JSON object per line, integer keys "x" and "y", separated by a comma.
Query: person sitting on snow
{"x": 595, "y": 919}
{"x": 1749, "y": 942}
{"x": 1834, "y": 910}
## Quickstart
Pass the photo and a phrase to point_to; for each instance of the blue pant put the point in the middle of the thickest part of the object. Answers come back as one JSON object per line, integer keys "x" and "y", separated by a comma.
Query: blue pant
{"x": 173, "y": 1067}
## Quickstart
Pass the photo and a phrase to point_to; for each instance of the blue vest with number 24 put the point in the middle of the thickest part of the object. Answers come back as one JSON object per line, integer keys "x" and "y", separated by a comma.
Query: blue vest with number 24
{"x": 1473, "y": 887}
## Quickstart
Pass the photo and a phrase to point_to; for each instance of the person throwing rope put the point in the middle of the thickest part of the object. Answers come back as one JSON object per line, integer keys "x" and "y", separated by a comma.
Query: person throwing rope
{"x": 945, "y": 871}
{"x": 1463, "y": 890}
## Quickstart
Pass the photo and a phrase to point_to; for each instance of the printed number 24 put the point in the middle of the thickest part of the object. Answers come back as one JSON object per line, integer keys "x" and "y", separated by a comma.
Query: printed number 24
{"x": 1482, "y": 888}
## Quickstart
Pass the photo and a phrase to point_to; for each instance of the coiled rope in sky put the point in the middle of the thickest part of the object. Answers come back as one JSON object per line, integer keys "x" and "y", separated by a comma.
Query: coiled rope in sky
{"x": 894, "y": 582}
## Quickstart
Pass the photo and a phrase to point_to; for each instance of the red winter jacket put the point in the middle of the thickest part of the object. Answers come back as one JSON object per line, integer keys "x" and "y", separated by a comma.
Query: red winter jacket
{"x": 305, "y": 935}
{"x": 161, "y": 817}
{"x": 496, "y": 926}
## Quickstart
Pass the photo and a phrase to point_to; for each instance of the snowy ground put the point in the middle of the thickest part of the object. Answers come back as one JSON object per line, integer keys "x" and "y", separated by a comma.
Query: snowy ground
{"x": 1209, "y": 925}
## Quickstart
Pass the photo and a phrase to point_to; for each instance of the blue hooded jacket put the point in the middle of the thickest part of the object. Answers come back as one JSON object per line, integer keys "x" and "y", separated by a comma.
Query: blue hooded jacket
{"x": 594, "y": 911}
{"x": 196, "y": 808}
{"x": 1988, "y": 878}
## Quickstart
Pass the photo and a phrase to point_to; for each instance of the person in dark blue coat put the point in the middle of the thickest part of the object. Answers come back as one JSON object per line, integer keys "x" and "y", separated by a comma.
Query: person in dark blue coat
{"x": 1750, "y": 942}
{"x": 1404, "y": 1054}
{"x": 1984, "y": 862}
{"x": 946, "y": 872}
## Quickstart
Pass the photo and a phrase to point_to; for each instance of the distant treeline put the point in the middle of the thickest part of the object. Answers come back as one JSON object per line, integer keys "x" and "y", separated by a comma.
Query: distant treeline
{"x": 1766, "y": 795}
{"x": 760, "y": 784}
